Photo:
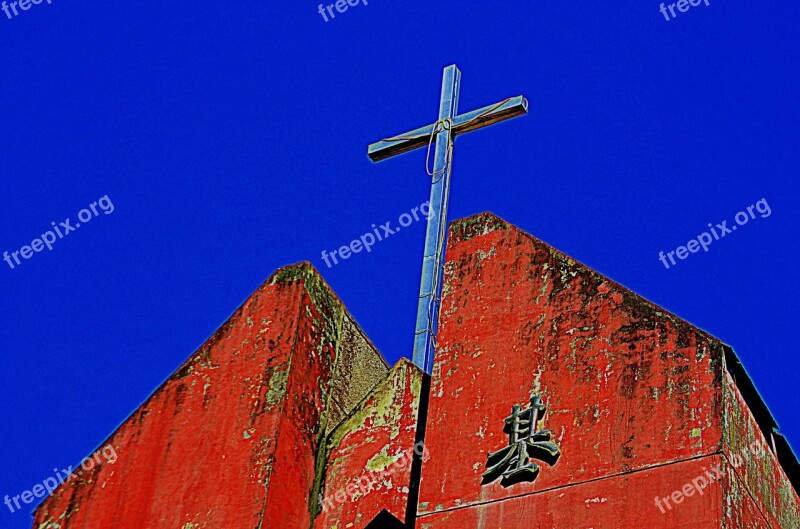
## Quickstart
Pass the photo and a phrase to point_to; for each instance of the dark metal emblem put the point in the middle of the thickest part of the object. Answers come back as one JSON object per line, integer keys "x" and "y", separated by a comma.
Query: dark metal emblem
{"x": 514, "y": 462}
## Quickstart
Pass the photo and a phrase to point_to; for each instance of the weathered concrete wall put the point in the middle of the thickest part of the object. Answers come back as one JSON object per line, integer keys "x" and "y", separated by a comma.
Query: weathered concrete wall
{"x": 757, "y": 491}
{"x": 740, "y": 511}
{"x": 230, "y": 440}
{"x": 370, "y": 455}
{"x": 358, "y": 369}
{"x": 628, "y": 386}
{"x": 289, "y": 418}
{"x": 596, "y": 505}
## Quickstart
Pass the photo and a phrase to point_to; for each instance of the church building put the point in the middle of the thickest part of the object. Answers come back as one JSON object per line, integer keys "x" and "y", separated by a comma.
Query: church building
{"x": 557, "y": 399}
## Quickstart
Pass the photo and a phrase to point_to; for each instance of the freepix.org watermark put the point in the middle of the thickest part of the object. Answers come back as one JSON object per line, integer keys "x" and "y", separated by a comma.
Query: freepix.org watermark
{"x": 368, "y": 240}
{"x": 48, "y": 238}
{"x": 700, "y": 482}
{"x": 373, "y": 480}
{"x": 49, "y": 485}
{"x": 11, "y": 7}
{"x": 721, "y": 230}
{"x": 682, "y": 6}
{"x": 340, "y": 5}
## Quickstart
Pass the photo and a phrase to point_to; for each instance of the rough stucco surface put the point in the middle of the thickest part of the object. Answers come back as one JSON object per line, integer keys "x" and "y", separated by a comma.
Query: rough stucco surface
{"x": 368, "y": 466}
{"x": 359, "y": 366}
{"x": 230, "y": 440}
{"x": 627, "y": 386}
{"x": 595, "y": 505}
{"x": 757, "y": 491}
{"x": 639, "y": 401}
{"x": 289, "y": 404}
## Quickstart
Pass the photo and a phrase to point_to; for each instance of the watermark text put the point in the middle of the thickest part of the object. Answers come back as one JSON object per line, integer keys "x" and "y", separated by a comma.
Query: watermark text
{"x": 49, "y": 485}
{"x": 721, "y": 230}
{"x": 369, "y": 239}
{"x": 48, "y": 238}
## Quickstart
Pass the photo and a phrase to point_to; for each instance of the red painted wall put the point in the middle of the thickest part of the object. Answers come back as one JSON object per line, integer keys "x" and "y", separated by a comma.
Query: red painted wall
{"x": 289, "y": 404}
{"x": 230, "y": 440}
{"x": 370, "y": 455}
{"x": 628, "y": 386}
{"x": 757, "y": 490}
{"x": 617, "y": 502}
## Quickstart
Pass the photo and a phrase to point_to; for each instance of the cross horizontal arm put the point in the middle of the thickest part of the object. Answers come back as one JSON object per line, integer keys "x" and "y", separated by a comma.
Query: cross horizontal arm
{"x": 399, "y": 144}
{"x": 477, "y": 119}
{"x": 483, "y": 117}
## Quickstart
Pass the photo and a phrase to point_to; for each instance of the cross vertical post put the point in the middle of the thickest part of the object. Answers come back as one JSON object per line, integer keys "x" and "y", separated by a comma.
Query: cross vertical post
{"x": 435, "y": 236}
{"x": 449, "y": 125}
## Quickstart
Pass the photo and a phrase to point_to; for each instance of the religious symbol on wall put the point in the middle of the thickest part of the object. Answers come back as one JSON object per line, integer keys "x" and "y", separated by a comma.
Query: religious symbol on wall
{"x": 514, "y": 462}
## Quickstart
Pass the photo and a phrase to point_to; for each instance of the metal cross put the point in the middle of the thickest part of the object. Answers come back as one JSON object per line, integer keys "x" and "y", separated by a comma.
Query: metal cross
{"x": 449, "y": 125}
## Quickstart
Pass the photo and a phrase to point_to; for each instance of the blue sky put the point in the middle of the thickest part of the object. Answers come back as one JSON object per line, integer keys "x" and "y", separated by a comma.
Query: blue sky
{"x": 231, "y": 140}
